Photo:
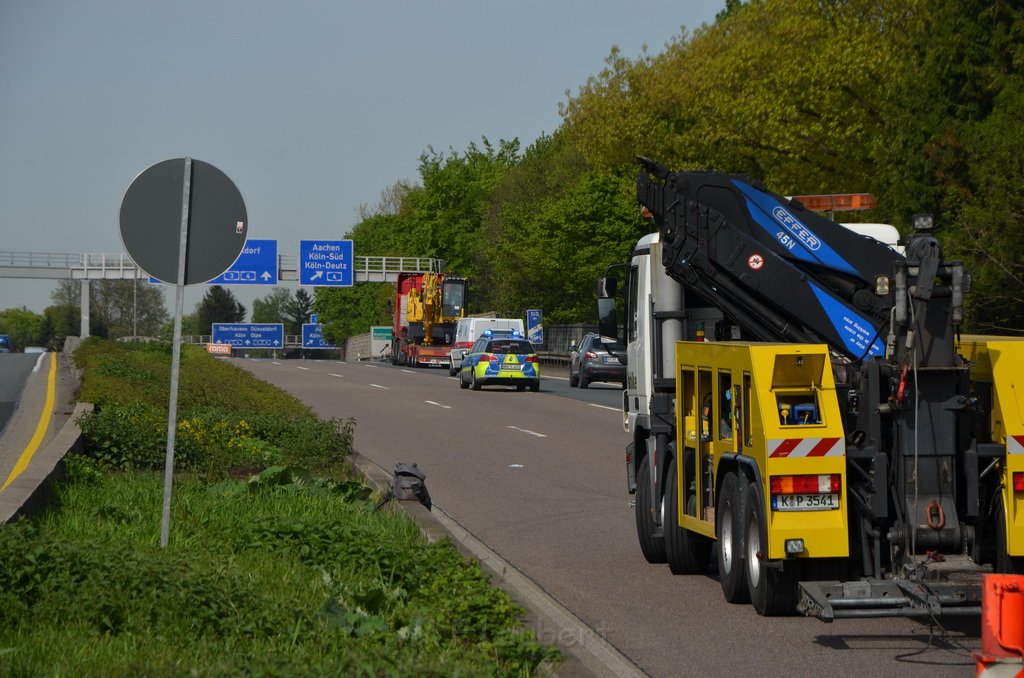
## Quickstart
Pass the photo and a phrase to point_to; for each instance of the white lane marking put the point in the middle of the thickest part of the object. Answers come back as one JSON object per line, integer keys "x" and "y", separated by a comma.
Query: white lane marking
{"x": 371, "y": 366}
{"x": 409, "y": 371}
{"x": 516, "y": 466}
{"x": 526, "y": 430}
{"x": 300, "y": 367}
{"x": 334, "y": 375}
{"x": 605, "y": 407}
{"x": 386, "y": 388}
{"x": 274, "y": 362}
{"x": 559, "y": 378}
{"x": 431, "y": 402}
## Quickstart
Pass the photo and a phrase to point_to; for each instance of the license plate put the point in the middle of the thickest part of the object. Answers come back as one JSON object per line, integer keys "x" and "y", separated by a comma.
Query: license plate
{"x": 805, "y": 502}
{"x": 511, "y": 368}
{"x": 611, "y": 360}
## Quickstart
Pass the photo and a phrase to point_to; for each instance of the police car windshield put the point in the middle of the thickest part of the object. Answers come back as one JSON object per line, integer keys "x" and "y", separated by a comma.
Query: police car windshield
{"x": 509, "y": 346}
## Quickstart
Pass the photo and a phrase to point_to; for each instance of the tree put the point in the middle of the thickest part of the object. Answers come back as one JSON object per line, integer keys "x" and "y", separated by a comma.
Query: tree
{"x": 59, "y": 323}
{"x": 273, "y": 307}
{"x": 297, "y": 311}
{"x": 22, "y": 325}
{"x": 954, "y": 151}
{"x": 117, "y": 308}
{"x": 218, "y": 305}
{"x": 346, "y": 312}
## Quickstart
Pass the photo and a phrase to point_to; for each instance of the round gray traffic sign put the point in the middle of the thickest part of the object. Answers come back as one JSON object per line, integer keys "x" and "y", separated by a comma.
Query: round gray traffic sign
{"x": 164, "y": 196}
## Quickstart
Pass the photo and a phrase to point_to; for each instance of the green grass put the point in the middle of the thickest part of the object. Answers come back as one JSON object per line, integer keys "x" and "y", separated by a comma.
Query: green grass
{"x": 277, "y": 573}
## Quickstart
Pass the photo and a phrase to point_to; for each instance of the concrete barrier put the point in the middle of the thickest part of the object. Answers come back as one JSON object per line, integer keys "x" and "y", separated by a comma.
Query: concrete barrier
{"x": 28, "y": 493}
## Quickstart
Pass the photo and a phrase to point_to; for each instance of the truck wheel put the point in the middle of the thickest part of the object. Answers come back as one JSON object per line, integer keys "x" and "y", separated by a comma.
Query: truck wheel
{"x": 652, "y": 546}
{"x": 773, "y": 591}
{"x": 687, "y": 552}
{"x": 729, "y": 529}
{"x": 1005, "y": 563}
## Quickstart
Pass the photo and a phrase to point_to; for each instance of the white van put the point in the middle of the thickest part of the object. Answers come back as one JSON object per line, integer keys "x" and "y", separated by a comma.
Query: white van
{"x": 468, "y": 330}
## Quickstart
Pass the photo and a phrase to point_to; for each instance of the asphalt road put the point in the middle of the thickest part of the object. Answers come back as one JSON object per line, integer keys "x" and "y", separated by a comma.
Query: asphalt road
{"x": 540, "y": 479}
{"x": 14, "y": 371}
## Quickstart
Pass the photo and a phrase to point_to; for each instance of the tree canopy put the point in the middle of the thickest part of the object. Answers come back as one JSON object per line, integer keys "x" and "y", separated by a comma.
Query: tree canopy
{"x": 917, "y": 101}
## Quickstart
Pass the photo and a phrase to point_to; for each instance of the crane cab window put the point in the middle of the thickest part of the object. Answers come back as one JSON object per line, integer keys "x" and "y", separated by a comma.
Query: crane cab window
{"x": 798, "y": 408}
{"x": 708, "y": 406}
{"x": 796, "y": 382}
{"x": 725, "y": 423}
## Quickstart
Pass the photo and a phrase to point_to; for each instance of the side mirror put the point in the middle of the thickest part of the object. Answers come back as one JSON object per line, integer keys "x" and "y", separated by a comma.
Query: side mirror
{"x": 607, "y": 286}
{"x": 607, "y": 320}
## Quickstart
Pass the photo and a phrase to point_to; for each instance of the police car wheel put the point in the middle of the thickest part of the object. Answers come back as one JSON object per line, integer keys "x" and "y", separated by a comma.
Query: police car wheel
{"x": 535, "y": 386}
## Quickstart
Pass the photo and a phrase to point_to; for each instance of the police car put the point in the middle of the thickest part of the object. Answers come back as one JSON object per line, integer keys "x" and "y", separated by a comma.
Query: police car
{"x": 505, "y": 358}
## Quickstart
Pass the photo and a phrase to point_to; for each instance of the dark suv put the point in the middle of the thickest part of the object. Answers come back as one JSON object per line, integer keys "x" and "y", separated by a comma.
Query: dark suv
{"x": 590, "y": 362}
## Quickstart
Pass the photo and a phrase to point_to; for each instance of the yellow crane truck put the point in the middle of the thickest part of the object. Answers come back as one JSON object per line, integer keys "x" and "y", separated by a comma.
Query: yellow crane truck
{"x": 806, "y": 417}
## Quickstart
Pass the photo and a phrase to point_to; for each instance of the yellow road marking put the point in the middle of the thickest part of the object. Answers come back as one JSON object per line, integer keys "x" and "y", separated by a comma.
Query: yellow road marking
{"x": 44, "y": 423}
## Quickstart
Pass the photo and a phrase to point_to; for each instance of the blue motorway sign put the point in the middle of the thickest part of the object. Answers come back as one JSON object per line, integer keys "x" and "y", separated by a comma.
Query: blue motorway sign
{"x": 326, "y": 263}
{"x": 256, "y": 265}
{"x": 249, "y": 335}
{"x": 313, "y": 336}
{"x": 535, "y": 326}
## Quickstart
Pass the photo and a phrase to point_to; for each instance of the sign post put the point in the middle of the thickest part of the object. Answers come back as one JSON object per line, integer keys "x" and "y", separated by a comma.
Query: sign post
{"x": 182, "y": 221}
{"x": 535, "y": 326}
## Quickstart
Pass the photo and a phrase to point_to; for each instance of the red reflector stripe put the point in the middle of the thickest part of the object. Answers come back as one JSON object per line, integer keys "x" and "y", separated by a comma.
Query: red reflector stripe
{"x": 806, "y": 447}
{"x": 823, "y": 447}
{"x": 785, "y": 447}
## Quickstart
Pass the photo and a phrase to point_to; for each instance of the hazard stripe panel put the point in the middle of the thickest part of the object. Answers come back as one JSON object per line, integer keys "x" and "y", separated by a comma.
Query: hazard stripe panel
{"x": 807, "y": 447}
{"x": 1015, "y": 445}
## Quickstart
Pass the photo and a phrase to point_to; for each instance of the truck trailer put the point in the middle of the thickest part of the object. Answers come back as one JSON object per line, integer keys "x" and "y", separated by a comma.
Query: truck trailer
{"x": 806, "y": 416}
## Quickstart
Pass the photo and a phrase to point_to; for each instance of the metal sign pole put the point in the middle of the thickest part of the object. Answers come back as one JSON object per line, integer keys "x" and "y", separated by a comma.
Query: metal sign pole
{"x": 172, "y": 408}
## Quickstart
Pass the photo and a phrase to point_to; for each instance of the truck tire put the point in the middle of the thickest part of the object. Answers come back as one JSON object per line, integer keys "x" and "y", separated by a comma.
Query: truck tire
{"x": 729, "y": 526}
{"x": 773, "y": 591}
{"x": 651, "y": 545}
{"x": 687, "y": 552}
{"x": 1005, "y": 563}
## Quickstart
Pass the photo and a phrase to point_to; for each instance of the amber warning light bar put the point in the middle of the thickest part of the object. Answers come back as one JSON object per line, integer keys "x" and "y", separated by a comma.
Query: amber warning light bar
{"x": 837, "y": 202}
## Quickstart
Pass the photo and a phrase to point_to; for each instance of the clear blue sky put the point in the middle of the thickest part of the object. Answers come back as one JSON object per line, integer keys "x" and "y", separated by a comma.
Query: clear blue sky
{"x": 312, "y": 108}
